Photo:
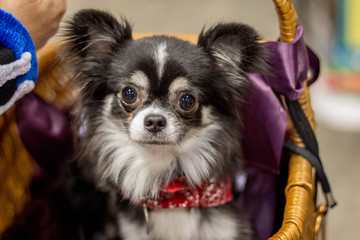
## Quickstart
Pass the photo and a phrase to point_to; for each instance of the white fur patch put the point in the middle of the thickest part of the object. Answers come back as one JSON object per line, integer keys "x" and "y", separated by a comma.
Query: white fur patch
{"x": 226, "y": 59}
{"x": 196, "y": 154}
{"x": 182, "y": 224}
{"x": 206, "y": 116}
{"x": 129, "y": 230}
{"x": 138, "y": 133}
{"x": 99, "y": 39}
{"x": 179, "y": 84}
{"x": 178, "y": 223}
{"x": 140, "y": 79}
{"x": 226, "y": 56}
{"x": 107, "y": 106}
{"x": 160, "y": 58}
{"x": 222, "y": 225}
{"x": 226, "y": 62}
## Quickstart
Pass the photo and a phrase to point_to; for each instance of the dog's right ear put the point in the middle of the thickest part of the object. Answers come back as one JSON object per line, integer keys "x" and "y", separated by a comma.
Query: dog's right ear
{"x": 95, "y": 32}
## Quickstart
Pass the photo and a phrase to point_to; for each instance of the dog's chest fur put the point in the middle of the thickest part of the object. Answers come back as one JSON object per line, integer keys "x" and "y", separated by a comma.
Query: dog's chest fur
{"x": 185, "y": 224}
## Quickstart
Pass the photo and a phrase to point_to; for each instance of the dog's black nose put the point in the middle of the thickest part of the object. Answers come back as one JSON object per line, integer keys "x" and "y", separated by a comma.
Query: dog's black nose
{"x": 155, "y": 123}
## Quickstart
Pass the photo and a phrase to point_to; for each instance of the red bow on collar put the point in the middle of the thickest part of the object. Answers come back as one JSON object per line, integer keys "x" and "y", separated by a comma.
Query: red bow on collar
{"x": 179, "y": 194}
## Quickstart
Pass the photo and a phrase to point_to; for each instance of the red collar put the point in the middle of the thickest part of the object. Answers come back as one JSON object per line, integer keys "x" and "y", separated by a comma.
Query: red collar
{"x": 179, "y": 194}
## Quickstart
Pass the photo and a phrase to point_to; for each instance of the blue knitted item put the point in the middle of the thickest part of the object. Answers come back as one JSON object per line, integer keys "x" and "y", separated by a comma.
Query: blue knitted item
{"x": 18, "y": 77}
{"x": 14, "y": 35}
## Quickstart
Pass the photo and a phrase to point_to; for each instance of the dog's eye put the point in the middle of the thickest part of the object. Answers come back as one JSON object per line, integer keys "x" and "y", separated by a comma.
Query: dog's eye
{"x": 129, "y": 95}
{"x": 187, "y": 102}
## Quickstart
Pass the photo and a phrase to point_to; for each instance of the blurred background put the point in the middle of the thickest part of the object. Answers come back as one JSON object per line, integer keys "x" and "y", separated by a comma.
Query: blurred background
{"x": 332, "y": 29}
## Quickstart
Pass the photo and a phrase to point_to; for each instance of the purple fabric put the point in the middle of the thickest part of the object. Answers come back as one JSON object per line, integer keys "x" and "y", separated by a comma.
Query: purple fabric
{"x": 45, "y": 131}
{"x": 259, "y": 200}
{"x": 265, "y": 126}
{"x": 264, "y": 116}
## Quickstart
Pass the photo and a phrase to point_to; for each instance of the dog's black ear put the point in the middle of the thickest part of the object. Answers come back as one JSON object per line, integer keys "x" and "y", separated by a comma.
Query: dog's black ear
{"x": 234, "y": 47}
{"x": 235, "y": 51}
{"x": 95, "y": 31}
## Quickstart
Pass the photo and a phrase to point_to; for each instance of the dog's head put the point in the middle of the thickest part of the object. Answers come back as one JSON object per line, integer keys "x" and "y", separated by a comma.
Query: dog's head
{"x": 159, "y": 107}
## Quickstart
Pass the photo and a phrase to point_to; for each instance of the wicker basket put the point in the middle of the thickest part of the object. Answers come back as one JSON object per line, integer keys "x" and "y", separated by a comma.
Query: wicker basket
{"x": 301, "y": 218}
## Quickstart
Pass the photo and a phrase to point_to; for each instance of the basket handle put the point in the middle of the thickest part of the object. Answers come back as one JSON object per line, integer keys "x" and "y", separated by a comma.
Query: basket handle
{"x": 300, "y": 189}
{"x": 287, "y": 19}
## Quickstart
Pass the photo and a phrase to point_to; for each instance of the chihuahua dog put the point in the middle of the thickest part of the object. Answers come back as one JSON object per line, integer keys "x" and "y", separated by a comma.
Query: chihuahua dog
{"x": 160, "y": 125}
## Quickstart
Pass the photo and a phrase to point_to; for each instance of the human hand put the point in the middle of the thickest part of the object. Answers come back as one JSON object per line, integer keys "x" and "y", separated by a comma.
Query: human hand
{"x": 40, "y": 17}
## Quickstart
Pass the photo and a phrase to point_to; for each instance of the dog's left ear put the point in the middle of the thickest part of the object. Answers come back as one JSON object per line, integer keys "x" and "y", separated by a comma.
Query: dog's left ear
{"x": 234, "y": 47}
{"x": 235, "y": 51}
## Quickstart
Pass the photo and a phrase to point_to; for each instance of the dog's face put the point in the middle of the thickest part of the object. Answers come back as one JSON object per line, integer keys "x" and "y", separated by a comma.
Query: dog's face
{"x": 160, "y": 93}
{"x": 159, "y": 107}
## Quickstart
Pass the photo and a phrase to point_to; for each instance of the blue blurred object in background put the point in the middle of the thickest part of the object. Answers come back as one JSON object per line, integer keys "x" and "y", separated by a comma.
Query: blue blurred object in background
{"x": 346, "y": 52}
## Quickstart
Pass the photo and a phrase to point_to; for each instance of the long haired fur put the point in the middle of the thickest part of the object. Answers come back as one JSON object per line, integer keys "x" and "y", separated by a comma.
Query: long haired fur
{"x": 157, "y": 108}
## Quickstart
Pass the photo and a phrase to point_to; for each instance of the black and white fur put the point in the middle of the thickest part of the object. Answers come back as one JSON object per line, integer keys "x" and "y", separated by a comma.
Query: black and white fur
{"x": 134, "y": 147}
